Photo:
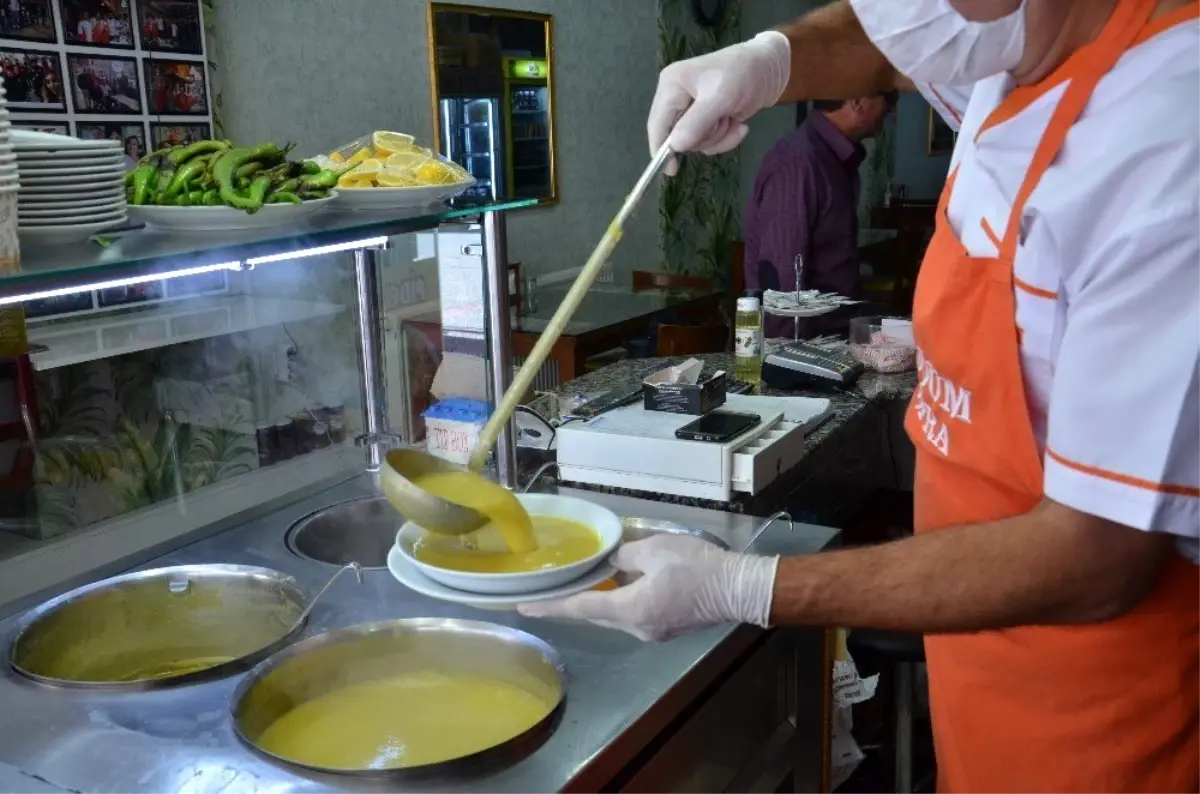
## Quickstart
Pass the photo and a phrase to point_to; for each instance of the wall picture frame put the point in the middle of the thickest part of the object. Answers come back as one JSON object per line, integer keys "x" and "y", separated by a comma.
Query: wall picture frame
{"x": 28, "y": 20}
{"x": 941, "y": 138}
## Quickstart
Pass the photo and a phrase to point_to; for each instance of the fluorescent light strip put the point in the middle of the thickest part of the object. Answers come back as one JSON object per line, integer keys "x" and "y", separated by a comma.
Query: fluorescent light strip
{"x": 118, "y": 282}
{"x": 370, "y": 242}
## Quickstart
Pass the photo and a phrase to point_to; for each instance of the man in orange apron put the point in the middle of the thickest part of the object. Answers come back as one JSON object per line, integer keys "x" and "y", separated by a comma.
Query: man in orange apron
{"x": 1057, "y": 488}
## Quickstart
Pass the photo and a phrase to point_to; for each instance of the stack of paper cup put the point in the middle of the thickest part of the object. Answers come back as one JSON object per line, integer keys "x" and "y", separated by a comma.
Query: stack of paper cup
{"x": 10, "y": 249}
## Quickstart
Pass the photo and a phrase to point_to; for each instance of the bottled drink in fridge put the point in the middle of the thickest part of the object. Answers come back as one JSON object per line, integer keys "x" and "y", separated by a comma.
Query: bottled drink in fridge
{"x": 748, "y": 339}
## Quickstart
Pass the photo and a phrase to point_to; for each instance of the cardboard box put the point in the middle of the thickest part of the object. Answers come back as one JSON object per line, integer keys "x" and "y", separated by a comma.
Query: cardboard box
{"x": 678, "y": 390}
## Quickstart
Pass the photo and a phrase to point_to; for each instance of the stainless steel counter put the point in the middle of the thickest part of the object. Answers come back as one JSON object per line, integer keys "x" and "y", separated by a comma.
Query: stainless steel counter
{"x": 622, "y": 693}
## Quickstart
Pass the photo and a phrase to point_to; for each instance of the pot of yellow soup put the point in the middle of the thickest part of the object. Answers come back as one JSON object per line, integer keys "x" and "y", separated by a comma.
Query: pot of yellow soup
{"x": 570, "y": 537}
{"x": 403, "y": 696}
{"x": 158, "y": 628}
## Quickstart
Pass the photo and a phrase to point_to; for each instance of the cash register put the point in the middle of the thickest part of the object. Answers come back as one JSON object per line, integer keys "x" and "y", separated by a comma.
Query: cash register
{"x": 803, "y": 366}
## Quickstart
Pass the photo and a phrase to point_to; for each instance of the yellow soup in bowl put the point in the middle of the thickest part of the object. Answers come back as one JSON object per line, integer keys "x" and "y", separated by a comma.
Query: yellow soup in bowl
{"x": 559, "y": 542}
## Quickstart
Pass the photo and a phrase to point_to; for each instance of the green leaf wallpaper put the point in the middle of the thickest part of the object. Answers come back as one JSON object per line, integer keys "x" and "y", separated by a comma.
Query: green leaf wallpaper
{"x": 697, "y": 211}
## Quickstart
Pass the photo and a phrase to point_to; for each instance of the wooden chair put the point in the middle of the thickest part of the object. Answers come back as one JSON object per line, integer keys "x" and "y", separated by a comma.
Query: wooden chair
{"x": 691, "y": 340}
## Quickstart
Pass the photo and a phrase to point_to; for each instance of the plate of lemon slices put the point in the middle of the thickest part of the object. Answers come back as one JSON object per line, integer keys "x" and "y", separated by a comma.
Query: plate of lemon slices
{"x": 388, "y": 170}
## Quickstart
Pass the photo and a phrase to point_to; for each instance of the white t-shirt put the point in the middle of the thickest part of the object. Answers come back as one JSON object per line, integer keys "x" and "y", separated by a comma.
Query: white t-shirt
{"x": 1107, "y": 277}
{"x": 84, "y": 30}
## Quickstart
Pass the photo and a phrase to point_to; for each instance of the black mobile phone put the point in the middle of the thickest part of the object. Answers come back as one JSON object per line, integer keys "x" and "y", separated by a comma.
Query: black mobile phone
{"x": 718, "y": 426}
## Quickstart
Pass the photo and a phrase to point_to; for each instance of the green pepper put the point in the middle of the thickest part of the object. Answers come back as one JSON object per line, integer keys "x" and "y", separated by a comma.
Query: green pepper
{"x": 248, "y": 170}
{"x": 312, "y": 194}
{"x": 212, "y": 198}
{"x": 284, "y": 197}
{"x": 193, "y": 198}
{"x": 324, "y": 179}
{"x": 227, "y": 165}
{"x": 185, "y": 153}
{"x": 143, "y": 177}
{"x": 310, "y": 167}
{"x": 287, "y": 186}
{"x": 186, "y": 173}
{"x": 129, "y": 179}
{"x": 258, "y": 192}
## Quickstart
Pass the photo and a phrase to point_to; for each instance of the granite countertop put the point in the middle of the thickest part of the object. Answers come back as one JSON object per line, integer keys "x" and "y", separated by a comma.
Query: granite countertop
{"x": 853, "y": 424}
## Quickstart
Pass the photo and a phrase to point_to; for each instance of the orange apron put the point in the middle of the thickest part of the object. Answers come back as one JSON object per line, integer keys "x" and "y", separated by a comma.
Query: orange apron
{"x": 1103, "y": 707}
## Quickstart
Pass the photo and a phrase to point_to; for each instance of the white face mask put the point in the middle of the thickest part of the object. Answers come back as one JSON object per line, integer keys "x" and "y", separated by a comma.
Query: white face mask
{"x": 929, "y": 42}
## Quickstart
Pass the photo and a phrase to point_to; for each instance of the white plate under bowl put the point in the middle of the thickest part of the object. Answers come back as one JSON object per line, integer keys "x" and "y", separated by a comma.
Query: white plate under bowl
{"x": 116, "y": 199}
{"x": 394, "y": 198}
{"x": 75, "y": 181}
{"x": 66, "y": 175}
{"x": 107, "y": 161}
{"x": 602, "y": 521}
{"x": 407, "y": 574}
{"x": 68, "y": 156}
{"x": 67, "y": 233}
{"x": 35, "y": 139}
{"x": 71, "y": 192}
{"x": 58, "y": 217}
{"x": 215, "y": 219}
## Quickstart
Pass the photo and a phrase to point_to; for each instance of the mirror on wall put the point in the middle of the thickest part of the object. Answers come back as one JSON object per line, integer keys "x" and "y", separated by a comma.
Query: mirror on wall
{"x": 493, "y": 95}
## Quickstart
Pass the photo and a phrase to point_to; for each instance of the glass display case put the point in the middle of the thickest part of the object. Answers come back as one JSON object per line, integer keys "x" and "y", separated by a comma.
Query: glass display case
{"x": 155, "y": 385}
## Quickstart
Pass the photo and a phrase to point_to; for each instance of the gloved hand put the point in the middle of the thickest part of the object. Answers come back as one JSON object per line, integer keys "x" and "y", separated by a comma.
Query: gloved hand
{"x": 686, "y": 584}
{"x": 702, "y": 103}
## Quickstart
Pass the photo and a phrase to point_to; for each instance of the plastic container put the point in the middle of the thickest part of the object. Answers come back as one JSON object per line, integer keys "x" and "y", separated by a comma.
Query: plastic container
{"x": 883, "y": 344}
{"x": 452, "y": 428}
{"x": 748, "y": 338}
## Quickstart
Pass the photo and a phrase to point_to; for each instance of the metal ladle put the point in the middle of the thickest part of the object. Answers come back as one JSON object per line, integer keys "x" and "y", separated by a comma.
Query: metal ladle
{"x": 402, "y": 468}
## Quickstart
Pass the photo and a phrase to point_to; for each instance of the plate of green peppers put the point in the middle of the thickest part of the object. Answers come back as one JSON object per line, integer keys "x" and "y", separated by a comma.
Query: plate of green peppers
{"x": 212, "y": 185}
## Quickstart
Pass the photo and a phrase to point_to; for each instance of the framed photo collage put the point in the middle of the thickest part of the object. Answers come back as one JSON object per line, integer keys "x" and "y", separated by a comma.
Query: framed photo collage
{"x": 128, "y": 70}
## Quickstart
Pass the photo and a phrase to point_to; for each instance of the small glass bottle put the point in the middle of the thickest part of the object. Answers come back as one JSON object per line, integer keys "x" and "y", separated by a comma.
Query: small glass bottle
{"x": 747, "y": 345}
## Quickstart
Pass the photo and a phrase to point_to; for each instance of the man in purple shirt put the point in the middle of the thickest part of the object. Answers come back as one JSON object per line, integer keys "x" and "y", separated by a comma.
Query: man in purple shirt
{"x": 805, "y": 203}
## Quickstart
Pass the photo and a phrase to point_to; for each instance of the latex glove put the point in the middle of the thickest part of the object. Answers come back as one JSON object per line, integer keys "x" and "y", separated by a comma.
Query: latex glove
{"x": 686, "y": 584}
{"x": 702, "y": 103}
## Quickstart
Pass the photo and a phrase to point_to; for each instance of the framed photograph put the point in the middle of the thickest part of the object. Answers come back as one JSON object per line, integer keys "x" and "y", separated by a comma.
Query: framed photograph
{"x": 176, "y": 88}
{"x": 174, "y": 134}
{"x": 27, "y": 20}
{"x": 43, "y": 126}
{"x": 33, "y": 80}
{"x": 941, "y": 137}
{"x": 123, "y": 296}
{"x": 98, "y": 23}
{"x": 171, "y": 26}
{"x": 104, "y": 84}
{"x": 63, "y": 304}
{"x": 132, "y": 138}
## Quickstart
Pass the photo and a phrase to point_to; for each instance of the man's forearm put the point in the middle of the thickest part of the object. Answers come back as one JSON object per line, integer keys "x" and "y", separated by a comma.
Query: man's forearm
{"x": 1051, "y": 565}
{"x": 832, "y": 58}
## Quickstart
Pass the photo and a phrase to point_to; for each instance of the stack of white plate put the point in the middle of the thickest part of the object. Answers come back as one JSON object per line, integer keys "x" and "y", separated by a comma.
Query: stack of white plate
{"x": 70, "y": 189}
{"x": 9, "y": 185}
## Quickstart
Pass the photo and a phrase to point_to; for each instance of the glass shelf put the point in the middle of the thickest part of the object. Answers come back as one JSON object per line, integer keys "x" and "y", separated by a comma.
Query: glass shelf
{"x": 151, "y": 252}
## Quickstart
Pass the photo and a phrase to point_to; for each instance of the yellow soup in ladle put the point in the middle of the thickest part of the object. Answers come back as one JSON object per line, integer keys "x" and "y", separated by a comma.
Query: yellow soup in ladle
{"x": 471, "y": 490}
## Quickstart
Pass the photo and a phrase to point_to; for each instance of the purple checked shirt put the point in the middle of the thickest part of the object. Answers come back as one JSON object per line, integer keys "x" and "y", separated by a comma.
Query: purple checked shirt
{"x": 805, "y": 202}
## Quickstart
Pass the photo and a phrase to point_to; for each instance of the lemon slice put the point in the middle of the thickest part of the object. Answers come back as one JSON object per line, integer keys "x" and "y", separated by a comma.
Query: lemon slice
{"x": 337, "y": 158}
{"x": 391, "y": 142}
{"x": 369, "y": 167}
{"x": 359, "y": 156}
{"x": 436, "y": 173}
{"x": 407, "y": 161}
{"x": 396, "y": 177}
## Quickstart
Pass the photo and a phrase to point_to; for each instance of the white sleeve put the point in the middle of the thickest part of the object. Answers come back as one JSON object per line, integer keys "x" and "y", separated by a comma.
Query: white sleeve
{"x": 949, "y": 101}
{"x": 1123, "y": 438}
